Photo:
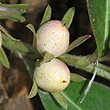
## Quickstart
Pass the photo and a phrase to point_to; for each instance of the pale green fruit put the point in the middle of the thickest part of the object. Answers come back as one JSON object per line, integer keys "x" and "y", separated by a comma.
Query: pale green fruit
{"x": 53, "y": 76}
{"x": 53, "y": 37}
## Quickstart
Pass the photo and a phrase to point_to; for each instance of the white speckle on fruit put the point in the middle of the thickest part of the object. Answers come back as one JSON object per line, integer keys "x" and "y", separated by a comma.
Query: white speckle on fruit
{"x": 55, "y": 36}
{"x": 53, "y": 76}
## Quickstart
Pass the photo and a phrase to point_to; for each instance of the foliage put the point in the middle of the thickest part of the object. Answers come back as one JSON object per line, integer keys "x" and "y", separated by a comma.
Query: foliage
{"x": 98, "y": 96}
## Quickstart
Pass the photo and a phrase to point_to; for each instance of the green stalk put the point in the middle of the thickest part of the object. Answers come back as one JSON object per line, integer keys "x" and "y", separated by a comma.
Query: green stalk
{"x": 84, "y": 63}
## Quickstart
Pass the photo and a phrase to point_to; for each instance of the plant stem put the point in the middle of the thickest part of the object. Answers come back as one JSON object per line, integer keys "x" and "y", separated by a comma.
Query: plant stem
{"x": 83, "y": 62}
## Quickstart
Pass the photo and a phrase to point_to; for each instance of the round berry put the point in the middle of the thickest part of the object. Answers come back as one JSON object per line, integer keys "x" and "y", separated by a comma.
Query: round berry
{"x": 53, "y": 76}
{"x": 53, "y": 37}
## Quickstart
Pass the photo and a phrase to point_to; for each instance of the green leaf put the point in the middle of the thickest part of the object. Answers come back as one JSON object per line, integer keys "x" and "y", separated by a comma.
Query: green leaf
{"x": 48, "y": 101}
{"x": 33, "y": 91}
{"x": 21, "y": 47}
{"x": 0, "y": 39}
{"x": 83, "y": 62}
{"x": 20, "y": 7}
{"x": 12, "y": 16}
{"x": 97, "y": 98}
{"x": 47, "y": 15}
{"x": 76, "y": 77}
{"x": 99, "y": 13}
{"x": 4, "y": 59}
{"x": 6, "y": 32}
{"x": 13, "y": 11}
{"x": 60, "y": 99}
{"x": 68, "y": 17}
{"x": 31, "y": 27}
{"x": 48, "y": 56}
{"x": 77, "y": 42}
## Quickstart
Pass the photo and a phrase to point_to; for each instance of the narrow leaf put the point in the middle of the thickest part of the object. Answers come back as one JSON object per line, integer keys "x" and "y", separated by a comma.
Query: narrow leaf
{"x": 21, "y": 47}
{"x": 77, "y": 42}
{"x": 68, "y": 17}
{"x": 76, "y": 77}
{"x": 12, "y": 16}
{"x": 13, "y": 11}
{"x": 16, "y": 7}
{"x": 99, "y": 14}
{"x": 47, "y": 57}
{"x": 60, "y": 99}
{"x": 6, "y": 32}
{"x": 4, "y": 59}
{"x": 31, "y": 27}
{"x": 48, "y": 101}
{"x": 47, "y": 15}
{"x": 0, "y": 39}
{"x": 33, "y": 91}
